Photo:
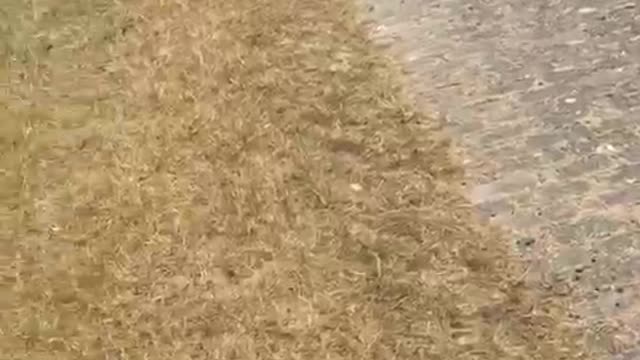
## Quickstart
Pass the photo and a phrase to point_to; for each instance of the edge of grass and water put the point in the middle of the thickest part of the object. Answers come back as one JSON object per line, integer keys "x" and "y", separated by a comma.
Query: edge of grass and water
{"x": 209, "y": 179}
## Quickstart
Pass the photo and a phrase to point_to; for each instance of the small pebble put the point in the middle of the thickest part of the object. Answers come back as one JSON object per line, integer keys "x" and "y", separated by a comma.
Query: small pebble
{"x": 587, "y": 10}
{"x": 528, "y": 241}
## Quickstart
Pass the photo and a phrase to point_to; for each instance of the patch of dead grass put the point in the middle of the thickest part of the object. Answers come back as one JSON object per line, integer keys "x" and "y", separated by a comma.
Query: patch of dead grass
{"x": 238, "y": 180}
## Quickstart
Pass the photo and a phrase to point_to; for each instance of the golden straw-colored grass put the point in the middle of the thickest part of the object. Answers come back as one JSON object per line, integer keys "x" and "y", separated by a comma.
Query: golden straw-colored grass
{"x": 209, "y": 179}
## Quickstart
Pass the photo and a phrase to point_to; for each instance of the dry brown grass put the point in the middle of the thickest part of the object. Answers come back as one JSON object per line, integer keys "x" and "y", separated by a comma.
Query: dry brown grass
{"x": 237, "y": 180}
